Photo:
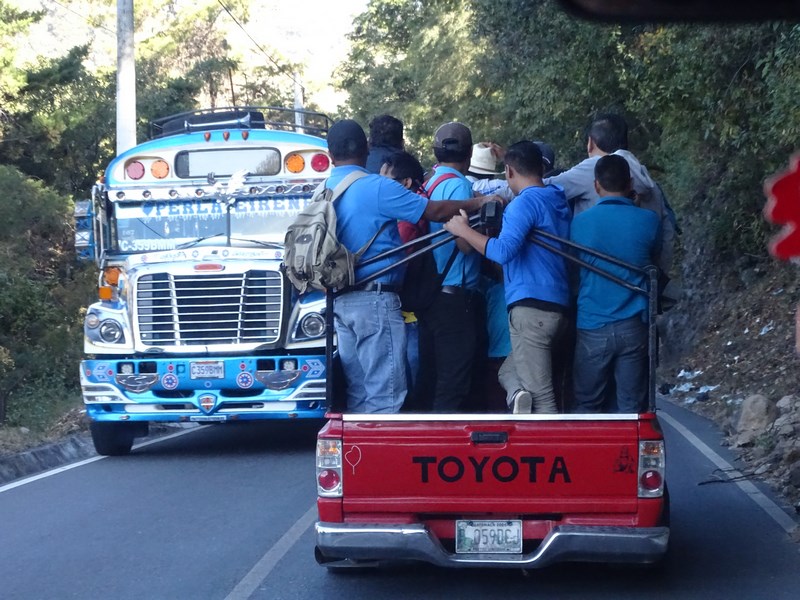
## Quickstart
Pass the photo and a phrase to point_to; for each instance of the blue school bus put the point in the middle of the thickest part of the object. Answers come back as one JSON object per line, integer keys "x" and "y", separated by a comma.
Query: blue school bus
{"x": 195, "y": 321}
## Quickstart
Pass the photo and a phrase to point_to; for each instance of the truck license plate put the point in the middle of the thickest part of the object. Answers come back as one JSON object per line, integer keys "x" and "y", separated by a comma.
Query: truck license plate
{"x": 208, "y": 418}
{"x": 504, "y": 537}
{"x": 207, "y": 369}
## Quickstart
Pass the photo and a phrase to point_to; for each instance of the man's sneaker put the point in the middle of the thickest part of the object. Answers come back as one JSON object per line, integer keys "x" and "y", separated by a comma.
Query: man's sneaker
{"x": 522, "y": 402}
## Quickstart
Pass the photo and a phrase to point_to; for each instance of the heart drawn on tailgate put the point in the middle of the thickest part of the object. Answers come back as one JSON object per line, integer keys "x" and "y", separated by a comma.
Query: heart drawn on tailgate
{"x": 353, "y": 457}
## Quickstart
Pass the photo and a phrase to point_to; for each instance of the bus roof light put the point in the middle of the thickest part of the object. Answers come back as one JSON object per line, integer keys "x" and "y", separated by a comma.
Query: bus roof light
{"x": 159, "y": 169}
{"x": 320, "y": 162}
{"x": 134, "y": 170}
{"x": 295, "y": 163}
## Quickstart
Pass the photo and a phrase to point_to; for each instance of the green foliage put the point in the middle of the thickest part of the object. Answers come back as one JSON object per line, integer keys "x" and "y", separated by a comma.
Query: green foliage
{"x": 61, "y": 115}
{"x": 12, "y": 22}
{"x": 414, "y": 60}
{"x": 712, "y": 109}
{"x": 41, "y": 298}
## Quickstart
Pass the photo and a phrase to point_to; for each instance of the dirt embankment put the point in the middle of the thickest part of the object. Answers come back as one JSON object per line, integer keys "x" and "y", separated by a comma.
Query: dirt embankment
{"x": 730, "y": 340}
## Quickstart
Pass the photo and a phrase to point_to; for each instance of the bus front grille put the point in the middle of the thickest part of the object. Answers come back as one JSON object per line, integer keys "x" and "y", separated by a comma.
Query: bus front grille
{"x": 209, "y": 309}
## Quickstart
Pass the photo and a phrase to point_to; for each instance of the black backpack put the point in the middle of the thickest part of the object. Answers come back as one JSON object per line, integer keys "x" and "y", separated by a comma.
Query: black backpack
{"x": 423, "y": 282}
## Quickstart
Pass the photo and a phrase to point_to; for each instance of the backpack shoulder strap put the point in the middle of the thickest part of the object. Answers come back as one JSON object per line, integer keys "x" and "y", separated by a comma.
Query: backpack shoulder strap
{"x": 443, "y": 177}
{"x": 345, "y": 183}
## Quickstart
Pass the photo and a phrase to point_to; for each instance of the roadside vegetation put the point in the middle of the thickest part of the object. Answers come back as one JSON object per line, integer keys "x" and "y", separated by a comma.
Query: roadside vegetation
{"x": 712, "y": 109}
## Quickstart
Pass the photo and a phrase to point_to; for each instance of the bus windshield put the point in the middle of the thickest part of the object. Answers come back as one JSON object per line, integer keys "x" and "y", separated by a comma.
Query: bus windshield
{"x": 164, "y": 225}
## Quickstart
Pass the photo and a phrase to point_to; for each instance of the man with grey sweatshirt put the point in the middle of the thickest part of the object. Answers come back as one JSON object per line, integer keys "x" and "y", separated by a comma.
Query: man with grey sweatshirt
{"x": 608, "y": 134}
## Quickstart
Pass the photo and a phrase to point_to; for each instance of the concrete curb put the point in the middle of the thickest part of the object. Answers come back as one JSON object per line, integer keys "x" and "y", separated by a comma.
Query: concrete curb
{"x": 69, "y": 449}
{"x": 29, "y": 462}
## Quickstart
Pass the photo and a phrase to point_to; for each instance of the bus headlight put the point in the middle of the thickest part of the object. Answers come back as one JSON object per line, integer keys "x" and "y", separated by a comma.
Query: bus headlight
{"x": 110, "y": 331}
{"x": 312, "y": 325}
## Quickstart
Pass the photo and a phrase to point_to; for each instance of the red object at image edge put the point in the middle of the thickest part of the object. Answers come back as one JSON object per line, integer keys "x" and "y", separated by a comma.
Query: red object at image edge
{"x": 783, "y": 208}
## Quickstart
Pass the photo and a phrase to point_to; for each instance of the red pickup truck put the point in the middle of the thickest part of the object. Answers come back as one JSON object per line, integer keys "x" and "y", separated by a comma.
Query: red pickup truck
{"x": 491, "y": 490}
{"x": 494, "y": 490}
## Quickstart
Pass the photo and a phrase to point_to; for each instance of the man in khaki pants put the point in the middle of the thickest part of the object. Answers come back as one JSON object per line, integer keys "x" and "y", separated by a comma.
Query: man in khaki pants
{"x": 536, "y": 282}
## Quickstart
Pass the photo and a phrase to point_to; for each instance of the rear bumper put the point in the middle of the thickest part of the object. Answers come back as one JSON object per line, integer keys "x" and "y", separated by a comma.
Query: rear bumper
{"x": 338, "y": 542}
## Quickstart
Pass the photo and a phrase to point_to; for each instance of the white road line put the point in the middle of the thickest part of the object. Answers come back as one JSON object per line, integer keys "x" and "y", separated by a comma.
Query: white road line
{"x": 75, "y": 465}
{"x": 773, "y": 510}
{"x": 250, "y": 582}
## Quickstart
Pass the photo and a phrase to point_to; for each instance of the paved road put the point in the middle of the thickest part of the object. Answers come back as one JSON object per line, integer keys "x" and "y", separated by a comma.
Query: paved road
{"x": 226, "y": 512}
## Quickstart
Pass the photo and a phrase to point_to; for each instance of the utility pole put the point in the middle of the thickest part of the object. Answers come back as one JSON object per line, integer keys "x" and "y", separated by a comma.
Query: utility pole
{"x": 299, "y": 100}
{"x": 126, "y": 77}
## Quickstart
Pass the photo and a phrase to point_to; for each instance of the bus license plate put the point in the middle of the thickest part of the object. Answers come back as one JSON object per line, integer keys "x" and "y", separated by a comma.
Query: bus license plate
{"x": 501, "y": 537}
{"x": 207, "y": 369}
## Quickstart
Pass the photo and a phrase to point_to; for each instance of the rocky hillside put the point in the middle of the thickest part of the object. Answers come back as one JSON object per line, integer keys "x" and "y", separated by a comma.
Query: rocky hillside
{"x": 729, "y": 354}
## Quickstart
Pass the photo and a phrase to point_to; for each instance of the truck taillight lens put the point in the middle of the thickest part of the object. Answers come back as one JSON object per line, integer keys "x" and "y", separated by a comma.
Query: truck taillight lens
{"x": 329, "y": 480}
{"x": 320, "y": 162}
{"x": 651, "y": 469}
{"x": 329, "y": 468}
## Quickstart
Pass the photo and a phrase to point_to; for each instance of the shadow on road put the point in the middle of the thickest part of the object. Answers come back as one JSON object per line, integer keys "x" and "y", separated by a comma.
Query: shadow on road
{"x": 282, "y": 436}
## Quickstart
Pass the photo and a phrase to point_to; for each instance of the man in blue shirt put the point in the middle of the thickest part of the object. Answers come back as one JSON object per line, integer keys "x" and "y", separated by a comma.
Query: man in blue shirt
{"x": 608, "y": 134}
{"x": 536, "y": 282}
{"x": 612, "y": 331}
{"x": 453, "y": 329}
{"x": 369, "y": 327}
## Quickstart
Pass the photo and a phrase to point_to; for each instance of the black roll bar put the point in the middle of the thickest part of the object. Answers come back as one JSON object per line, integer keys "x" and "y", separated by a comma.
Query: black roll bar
{"x": 475, "y": 221}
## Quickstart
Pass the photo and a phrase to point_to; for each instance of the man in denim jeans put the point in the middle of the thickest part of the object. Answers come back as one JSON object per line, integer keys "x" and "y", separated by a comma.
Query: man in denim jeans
{"x": 612, "y": 328}
{"x": 369, "y": 327}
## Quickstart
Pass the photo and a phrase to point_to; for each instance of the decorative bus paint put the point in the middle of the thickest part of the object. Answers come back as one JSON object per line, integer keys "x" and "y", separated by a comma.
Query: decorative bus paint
{"x": 195, "y": 320}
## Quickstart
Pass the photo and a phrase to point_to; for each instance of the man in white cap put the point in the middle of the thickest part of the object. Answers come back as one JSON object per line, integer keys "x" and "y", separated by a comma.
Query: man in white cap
{"x": 483, "y": 173}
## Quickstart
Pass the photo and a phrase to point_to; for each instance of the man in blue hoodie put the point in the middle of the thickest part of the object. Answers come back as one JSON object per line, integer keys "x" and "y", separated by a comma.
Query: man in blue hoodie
{"x": 536, "y": 281}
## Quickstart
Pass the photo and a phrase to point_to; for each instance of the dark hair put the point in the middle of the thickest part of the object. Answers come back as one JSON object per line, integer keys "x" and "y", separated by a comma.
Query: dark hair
{"x": 525, "y": 158}
{"x": 386, "y": 130}
{"x": 346, "y": 140}
{"x": 609, "y": 132}
{"x": 451, "y": 156}
{"x": 405, "y": 165}
{"x": 613, "y": 174}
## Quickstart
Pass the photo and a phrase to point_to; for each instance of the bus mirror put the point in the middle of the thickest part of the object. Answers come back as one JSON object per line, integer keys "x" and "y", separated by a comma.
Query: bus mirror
{"x": 683, "y": 10}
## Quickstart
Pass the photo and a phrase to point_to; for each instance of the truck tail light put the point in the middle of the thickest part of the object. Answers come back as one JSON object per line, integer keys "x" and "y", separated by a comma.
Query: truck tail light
{"x": 651, "y": 468}
{"x": 329, "y": 468}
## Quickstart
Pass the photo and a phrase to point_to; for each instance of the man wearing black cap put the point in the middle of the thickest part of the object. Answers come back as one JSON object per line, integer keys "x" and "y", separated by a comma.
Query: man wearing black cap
{"x": 369, "y": 326}
{"x": 453, "y": 328}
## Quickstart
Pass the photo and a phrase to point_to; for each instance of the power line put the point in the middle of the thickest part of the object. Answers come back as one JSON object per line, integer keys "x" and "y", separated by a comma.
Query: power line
{"x": 89, "y": 21}
{"x": 281, "y": 69}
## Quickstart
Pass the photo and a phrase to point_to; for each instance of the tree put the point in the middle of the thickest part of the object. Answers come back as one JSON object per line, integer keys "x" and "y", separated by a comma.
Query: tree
{"x": 41, "y": 325}
{"x": 12, "y": 23}
{"x": 62, "y": 113}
